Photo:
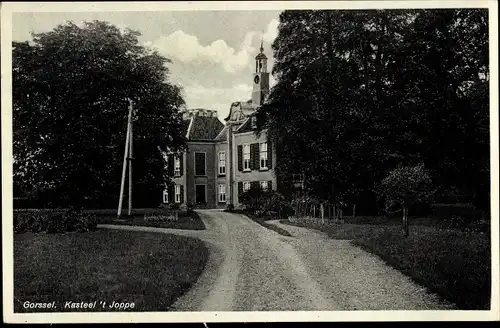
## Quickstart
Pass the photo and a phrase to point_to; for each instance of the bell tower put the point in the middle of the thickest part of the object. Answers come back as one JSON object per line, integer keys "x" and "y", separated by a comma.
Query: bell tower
{"x": 260, "y": 78}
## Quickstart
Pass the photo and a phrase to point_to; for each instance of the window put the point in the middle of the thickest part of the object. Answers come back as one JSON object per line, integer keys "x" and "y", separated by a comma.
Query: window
{"x": 222, "y": 193}
{"x": 246, "y": 185}
{"x": 222, "y": 162}
{"x": 177, "y": 166}
{"x": 263, "y": 185}
{"x": 199, "y": 164}
{"x": 253, "y": 122}
{"x": 165, "y": 196}
{"x": 246, "y": 157}
{"x": 298, "y": 181}
{"x": 263, "y": 155}
{"x": 177, "y": 193}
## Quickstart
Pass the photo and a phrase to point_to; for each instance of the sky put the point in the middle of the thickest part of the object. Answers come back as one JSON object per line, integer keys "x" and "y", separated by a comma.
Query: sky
{"x": 212, "y": 52}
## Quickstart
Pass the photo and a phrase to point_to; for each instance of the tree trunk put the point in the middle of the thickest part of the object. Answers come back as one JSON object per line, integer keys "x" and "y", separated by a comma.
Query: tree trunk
{"x": 406, "y": 230}
{"x": 334, "y": 212}
{"x": 322, "y": 211}
{"x": 354, "y": 211}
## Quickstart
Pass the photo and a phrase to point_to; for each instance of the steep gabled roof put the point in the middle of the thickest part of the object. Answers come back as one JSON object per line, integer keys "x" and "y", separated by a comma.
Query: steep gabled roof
{"x": 201, "y": 124}
{"x": 205, "y": 128}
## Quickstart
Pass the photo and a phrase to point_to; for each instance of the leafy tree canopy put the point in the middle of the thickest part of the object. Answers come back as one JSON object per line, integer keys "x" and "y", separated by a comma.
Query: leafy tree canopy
{"x": 70, "y": 90}
{"x": 361, "y": 92}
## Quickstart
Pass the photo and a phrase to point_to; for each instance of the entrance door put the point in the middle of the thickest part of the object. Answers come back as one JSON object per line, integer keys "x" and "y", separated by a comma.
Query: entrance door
{"x": 201, "y": 196}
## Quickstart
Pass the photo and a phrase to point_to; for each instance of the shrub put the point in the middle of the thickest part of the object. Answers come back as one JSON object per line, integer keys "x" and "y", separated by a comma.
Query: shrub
{"x": 174, "y": 206}
{"x": 160, "y": 218}
{"x": 189, "y": 208}
{"x": 230, "y": 207}
{"x": 53, "y": 221}
{"x": 262, "y": 202}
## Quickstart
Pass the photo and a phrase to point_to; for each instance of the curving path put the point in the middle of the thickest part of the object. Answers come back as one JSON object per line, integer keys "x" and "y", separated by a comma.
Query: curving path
{"x": 252, "y": 268}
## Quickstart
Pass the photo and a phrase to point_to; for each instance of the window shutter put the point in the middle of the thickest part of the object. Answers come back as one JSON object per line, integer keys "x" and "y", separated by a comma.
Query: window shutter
{"x": 270, "y": 185}
{"x": 240, "y": 188}
{"x": 171, "y": 193}
{"x": 254, "y": 156}
{"x": 170, "y": 165}
{"x": 240, "y": 158}
{"x": 182, "y": 193}
{"x": 269, "y": 155}
{"x": 181, "y": 159}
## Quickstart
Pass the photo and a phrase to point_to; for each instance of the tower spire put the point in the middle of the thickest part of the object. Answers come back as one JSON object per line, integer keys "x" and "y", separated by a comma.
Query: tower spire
{"x": 262, "y": 45}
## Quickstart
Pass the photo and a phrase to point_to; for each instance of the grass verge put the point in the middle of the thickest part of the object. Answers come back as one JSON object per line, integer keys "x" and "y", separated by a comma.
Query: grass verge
{"x": 262, "y": 222}
{"x": 150, "y": 270}
{"x": 452, "y": 263}
{"x": 190, "y": 221}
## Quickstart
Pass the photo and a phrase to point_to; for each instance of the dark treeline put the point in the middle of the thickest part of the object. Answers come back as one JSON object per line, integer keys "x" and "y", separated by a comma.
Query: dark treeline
{"x": 70, "y": 89}
{"x": 361, "y": 93}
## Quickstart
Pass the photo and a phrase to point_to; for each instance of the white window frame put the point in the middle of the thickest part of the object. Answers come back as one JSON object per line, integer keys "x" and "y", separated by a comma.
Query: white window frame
{"x": 253, "y": 122}
{"x": 246, "y": 186}
{"x": 263, "y": 158}
{"x": 246, "y": 157}
{"x": 177, "y": 190}
{"x": 222, "y": 193}
{"x": 263, "y": 185}
{"x": 165, "y": 196}
{"x": 177, "y": 166}
{"x": 222, "y": 163}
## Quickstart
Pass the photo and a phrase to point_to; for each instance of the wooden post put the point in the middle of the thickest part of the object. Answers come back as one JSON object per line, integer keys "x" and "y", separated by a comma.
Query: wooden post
{"x": 406, "y": 231}
{"x": 314, "y": 211}
{"x": 130, "y": 158}
{"x": 334, "y": 212}
{"x": 354, "y": 211}
{"x": 322, "y": 211}
{"x": 125, "y": 155}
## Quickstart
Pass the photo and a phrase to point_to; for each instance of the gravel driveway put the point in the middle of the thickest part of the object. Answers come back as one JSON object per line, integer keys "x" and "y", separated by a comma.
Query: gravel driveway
{"x": 252, "y": 268}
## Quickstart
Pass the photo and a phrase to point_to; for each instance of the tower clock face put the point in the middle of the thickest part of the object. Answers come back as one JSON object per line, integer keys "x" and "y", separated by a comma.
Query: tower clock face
{"x": 256, "y": 79}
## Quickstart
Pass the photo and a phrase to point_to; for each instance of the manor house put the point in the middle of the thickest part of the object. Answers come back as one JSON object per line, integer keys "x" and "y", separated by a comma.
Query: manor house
{"x": 224, "y": 160}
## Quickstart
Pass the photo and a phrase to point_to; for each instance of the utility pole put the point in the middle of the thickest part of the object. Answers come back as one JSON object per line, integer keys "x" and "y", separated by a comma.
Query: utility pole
{"x": 130, "y": 158}
{"x": 125, "y": 158}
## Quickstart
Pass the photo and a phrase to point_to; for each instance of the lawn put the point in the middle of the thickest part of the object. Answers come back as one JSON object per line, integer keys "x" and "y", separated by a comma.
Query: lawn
{"x": 150, "y": 270}
{"x": 262, "y": 222}
{"x": 451, "y": 262}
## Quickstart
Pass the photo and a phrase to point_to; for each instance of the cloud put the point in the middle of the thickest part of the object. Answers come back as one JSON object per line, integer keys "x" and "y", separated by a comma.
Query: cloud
{"x": 187, "y": 48}
{"x": 271, "y": 32}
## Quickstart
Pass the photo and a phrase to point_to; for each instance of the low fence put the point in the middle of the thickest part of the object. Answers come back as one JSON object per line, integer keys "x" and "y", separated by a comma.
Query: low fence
{"x": 323, "y": 211}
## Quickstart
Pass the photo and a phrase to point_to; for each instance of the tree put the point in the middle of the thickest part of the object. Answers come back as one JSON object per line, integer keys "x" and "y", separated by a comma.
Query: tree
{"x": 405, "y": 186}
{"x": 70, "y": 90}
{"x": 361, "y": 92}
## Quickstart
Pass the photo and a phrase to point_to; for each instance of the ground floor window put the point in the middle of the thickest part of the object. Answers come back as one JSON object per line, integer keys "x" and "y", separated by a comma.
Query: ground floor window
{"x": 165, "y": 196}
{"x": 222, "y": 193}
{"x": 263, "y": 185}
{"x": 246, "y": 185}
{"x": 177, "y": 193}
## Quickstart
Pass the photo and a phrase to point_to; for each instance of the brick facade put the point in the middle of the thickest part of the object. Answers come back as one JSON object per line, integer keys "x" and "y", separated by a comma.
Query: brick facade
{"x": 207, "y": 135}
